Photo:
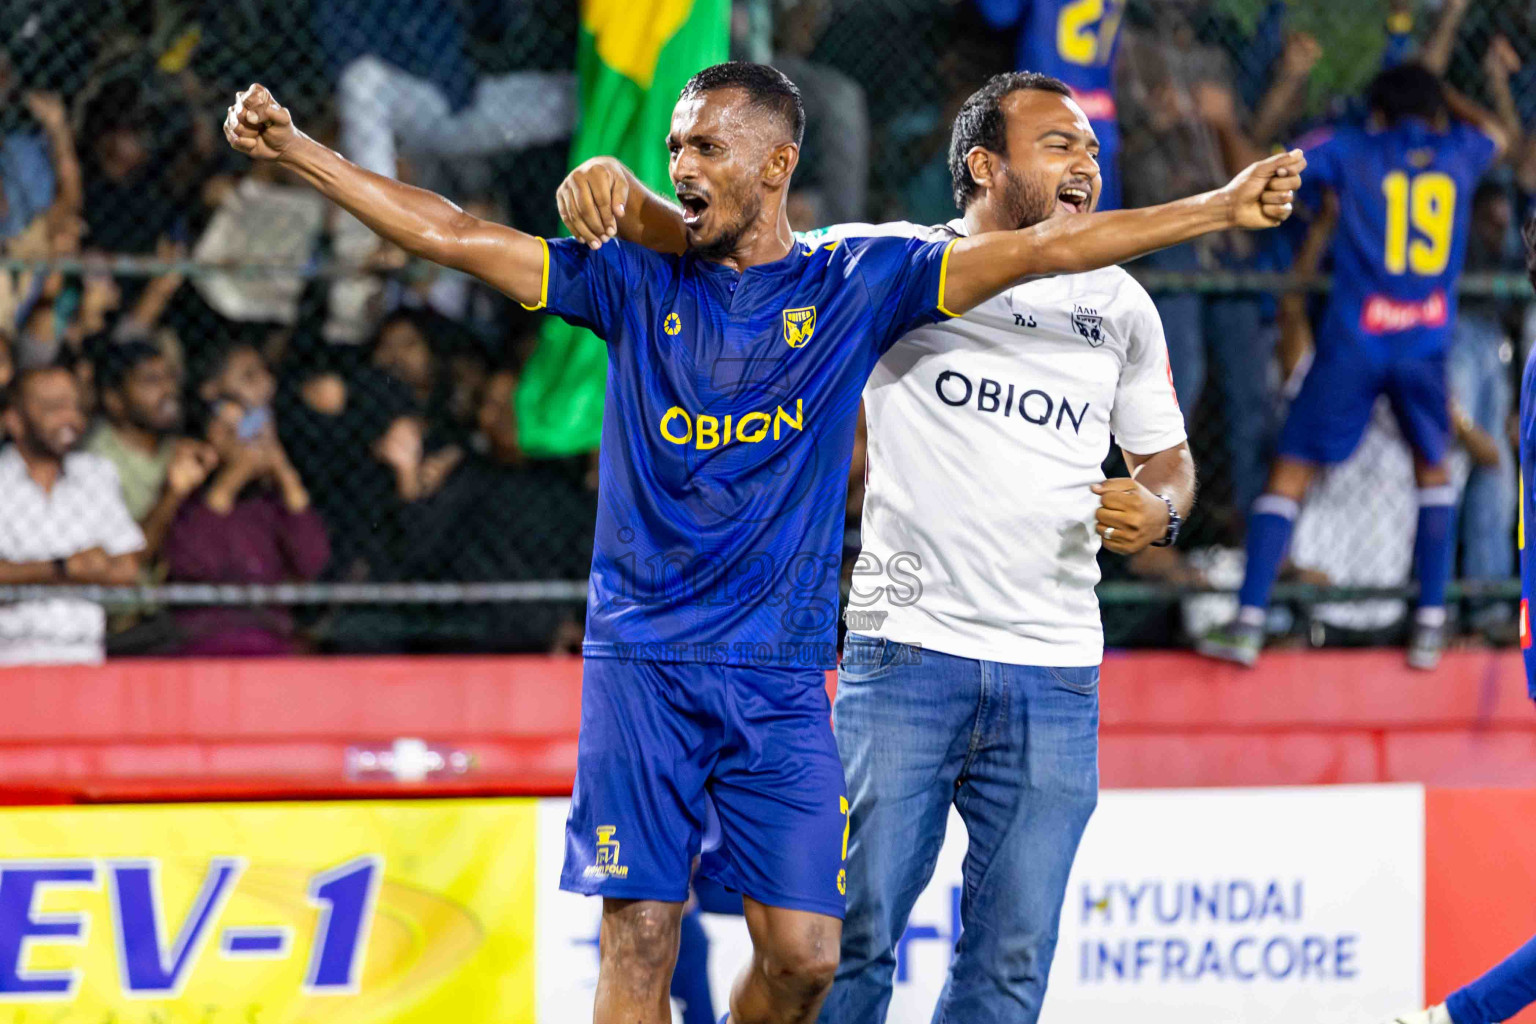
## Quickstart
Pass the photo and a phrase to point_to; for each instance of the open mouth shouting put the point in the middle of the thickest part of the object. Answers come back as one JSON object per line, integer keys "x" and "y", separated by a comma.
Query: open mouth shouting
{"x": 1073, "y": 197}
{"x": 694, "y": 204}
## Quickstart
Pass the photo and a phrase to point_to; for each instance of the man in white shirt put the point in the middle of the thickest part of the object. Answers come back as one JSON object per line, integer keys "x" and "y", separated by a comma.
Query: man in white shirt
{"x": 970, "y": 669}
{"x": 62, "y": 520}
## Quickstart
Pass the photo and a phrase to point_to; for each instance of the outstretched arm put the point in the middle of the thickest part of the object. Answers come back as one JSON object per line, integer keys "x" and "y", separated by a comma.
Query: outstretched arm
{"x": 1437, "y": 52}
{"x": 420, "y": 222}
{"x": 982, "y": 266}
{"x": 1500, "y": 62}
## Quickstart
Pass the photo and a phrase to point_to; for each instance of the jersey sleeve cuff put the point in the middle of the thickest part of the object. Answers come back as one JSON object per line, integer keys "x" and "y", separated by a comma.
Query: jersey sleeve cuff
{"x": 543, "y": 280}
{"x": 944, "y": 277}
{"x": 1151, "y": 444}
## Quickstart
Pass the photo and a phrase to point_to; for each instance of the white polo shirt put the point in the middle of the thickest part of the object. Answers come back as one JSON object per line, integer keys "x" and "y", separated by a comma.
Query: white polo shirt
{"x": 985, "y": 434}
{"x": 84, "y": 510}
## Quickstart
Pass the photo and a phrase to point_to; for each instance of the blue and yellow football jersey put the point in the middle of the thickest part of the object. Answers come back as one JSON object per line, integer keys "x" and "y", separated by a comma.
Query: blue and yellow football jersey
{"x": 1405, "y": 195}
{"x": 1527, "y": 475}
{"x": 729, "y": 423}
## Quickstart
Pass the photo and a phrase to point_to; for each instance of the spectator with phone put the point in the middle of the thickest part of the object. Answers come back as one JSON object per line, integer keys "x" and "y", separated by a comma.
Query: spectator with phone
{"x": 252, "y": 523}
{"x": 62, "y": 521}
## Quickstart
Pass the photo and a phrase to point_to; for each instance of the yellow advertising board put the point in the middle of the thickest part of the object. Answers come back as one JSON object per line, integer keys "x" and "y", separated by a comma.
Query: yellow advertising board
{"x": 275, "y": 913}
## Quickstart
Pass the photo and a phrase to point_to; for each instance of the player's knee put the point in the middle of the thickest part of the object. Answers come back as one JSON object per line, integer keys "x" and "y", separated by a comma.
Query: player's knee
{"x": 803, "y": 971}
{"x": 1290, "y": 478}
{"x": 1431, "y": 474}
{"x": 641, "y": 940}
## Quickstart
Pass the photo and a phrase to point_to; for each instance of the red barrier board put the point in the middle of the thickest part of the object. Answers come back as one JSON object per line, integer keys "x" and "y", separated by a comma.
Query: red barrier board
{"x": 146, "y": 729}
{"x": 1480, "y": 884}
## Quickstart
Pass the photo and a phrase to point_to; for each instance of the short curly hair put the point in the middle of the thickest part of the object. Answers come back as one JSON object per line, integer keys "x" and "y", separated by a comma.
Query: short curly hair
{"x": 768, "y": 88}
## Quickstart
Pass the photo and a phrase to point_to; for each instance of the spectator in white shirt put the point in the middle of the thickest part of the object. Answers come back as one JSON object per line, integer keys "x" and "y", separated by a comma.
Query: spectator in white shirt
{"x": 62, "y": 520}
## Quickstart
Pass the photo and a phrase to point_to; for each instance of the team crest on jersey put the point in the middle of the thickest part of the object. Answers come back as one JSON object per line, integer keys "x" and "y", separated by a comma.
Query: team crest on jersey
{"x": 798, "y": 325}
{"x": 1089, "y": 324}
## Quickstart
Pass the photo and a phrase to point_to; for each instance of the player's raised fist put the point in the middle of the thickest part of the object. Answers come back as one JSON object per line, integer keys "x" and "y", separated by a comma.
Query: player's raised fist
{"x": 1262, "y": 193}
{"x": 591, "y": 199}
{"x": 257, "y": 125}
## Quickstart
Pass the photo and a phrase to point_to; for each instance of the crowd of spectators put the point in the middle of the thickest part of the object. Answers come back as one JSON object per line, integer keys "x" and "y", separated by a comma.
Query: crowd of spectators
{"x": 360, "y": 426}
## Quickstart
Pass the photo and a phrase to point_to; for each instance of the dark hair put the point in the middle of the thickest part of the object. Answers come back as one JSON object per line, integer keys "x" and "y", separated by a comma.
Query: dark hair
{"x": 211, "y": 362}
{"x": 981, "y": 123}
{"x": 118, "y": 361}
{"x": 766, "y": 87}
{"x": 1407, "y": 90}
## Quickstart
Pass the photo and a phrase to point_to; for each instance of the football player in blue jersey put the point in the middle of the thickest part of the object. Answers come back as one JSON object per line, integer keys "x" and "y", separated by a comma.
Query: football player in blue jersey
{"x": 1527, "y": 473}
{"x": 735, "y": 370}
{"x": 1404, "y": 184}
{"x": 1511, "y": 985}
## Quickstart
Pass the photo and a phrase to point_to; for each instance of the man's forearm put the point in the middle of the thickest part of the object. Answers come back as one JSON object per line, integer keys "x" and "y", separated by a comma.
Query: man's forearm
{"x": 1436, "y": 55}
{"x": 420, "y": 222}
{"x": 1170, "y": 473}
{"x": 984, "y": 265}
{"x": 1506, "y": 112}
{"x": 652, "y": 221}
{"x": 66, "y": 168}
{"x": 158, "y": 523}
{"x": 1277, "y": 110}
{"x": 23, "y": 573}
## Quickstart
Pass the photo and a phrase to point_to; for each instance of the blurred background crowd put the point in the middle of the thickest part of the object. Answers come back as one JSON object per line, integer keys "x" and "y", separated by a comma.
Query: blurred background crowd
{"x": 282, "y": 399}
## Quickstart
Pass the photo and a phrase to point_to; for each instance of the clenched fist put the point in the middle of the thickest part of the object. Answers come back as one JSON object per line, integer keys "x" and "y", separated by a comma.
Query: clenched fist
{"x": 1130, "y": 517}
{"x": 258, "y": 126}
{"x": 591, "y": 200}
{"x": 1262, "y": 193}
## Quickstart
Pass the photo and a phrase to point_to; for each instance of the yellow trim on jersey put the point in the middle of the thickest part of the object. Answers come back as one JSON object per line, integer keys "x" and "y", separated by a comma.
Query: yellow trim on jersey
{"x": 944, "y": 276}
{"x": 543, "y": 280}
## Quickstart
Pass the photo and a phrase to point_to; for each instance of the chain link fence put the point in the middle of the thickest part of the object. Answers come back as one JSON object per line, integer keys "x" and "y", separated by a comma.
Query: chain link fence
{"x": 315, "y": 438}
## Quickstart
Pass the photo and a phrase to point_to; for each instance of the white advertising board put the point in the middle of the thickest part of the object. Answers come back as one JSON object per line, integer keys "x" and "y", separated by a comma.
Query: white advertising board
{"x": 1184, "y": 907}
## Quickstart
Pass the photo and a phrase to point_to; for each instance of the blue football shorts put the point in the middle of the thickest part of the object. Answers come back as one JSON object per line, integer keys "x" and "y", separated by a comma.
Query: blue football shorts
{"x": 661, "y": 742}
{"x": 1333, "y": 408}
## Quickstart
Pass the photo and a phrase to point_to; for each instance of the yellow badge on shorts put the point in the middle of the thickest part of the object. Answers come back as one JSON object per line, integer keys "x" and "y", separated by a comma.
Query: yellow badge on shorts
{"x": 798, "y": 325}
{"x": 607, "y": 865}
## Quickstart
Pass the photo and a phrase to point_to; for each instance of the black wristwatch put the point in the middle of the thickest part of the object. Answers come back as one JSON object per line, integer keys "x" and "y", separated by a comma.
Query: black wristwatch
{"x": 1175, "y": 524}
{"x": 61, "y": 569}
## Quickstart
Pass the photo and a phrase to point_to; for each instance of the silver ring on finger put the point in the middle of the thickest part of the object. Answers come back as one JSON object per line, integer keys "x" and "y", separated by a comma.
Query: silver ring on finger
{"x": 1109, "y": 531}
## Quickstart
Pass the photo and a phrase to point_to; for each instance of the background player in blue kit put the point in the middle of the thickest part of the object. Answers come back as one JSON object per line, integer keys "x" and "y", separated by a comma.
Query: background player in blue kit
{"x": 734, "y": 376}
{"x": 1527, "y": 475}
{"x": 1404, "y": 183}
{"x": 1074, "y": 41}
{"x": 1511, "y": 985}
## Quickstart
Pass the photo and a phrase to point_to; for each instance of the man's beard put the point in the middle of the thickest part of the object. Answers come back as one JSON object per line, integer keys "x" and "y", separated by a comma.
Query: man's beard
{"x": 1025, "y": 199}
{"x": 37, "y": 444}
{"x": 147, "y": 423}
{"x": 730, "y": 236}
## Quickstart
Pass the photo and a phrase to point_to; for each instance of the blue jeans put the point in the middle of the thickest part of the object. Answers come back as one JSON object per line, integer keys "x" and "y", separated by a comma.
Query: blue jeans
{"x": 1015, "y": 749}
{"x": 1480, "y": 381}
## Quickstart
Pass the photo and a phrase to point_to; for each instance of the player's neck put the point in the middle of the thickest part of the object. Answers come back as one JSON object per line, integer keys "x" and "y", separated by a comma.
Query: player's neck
{"x": 980, "y": 217}
{"x": 768, "y": 240}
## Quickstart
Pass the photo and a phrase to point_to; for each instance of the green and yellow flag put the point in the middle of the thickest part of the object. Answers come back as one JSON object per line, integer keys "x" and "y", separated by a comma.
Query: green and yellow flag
{"x": 633, "y": 59}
